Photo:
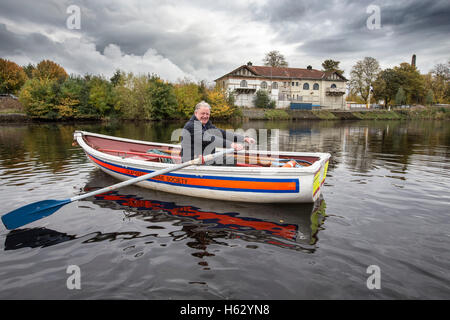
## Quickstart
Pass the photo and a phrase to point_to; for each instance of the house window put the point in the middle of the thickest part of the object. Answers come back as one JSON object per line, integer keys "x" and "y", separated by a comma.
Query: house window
{"x": 306, "y": 86}
{"x": 316, "y": 86}
{"x": 243, "y": 84}
{"x": 263, "y": 85}
{"x": 274, "y": 85}
{"x": 333, "y": 86}
{"x": 292, "y": 83}
{"x": 296, "y": 84}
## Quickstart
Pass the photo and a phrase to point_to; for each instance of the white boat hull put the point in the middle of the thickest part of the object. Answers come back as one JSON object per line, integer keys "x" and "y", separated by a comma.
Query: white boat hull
{"x": 229, "y": 183}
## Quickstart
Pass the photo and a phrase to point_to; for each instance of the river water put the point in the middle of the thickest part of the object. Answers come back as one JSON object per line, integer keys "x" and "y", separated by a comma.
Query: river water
{"x": 381, "y": 229}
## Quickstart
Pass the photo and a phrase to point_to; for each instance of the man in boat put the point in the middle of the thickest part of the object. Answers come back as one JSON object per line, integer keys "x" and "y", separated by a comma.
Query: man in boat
{"x": 201, "y": 137}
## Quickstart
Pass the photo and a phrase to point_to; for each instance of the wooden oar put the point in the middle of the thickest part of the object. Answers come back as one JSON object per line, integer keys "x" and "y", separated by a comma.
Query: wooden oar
{"x": 265, "y": 161}
{"x": 38, "y": 210}
{"x": 259, "y": 160}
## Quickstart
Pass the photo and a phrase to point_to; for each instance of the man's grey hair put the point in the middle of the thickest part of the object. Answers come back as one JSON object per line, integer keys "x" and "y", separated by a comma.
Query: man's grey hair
{"x": 202, "y": 104}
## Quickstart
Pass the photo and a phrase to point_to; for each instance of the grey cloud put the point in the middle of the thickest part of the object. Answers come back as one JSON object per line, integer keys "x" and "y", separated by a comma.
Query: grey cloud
{"x": 325, "y": 29}
{"x": 33, "y": 44}
{"x": 40, "y": 12}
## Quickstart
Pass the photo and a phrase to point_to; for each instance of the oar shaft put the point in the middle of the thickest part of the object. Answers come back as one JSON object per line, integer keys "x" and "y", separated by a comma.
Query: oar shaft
{"x": 38, "y": 210}
{"x": 151, "y": 175}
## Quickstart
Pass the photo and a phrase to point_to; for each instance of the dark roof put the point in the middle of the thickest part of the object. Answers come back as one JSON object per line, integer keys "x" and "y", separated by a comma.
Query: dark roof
{"x": 284, "y": 72}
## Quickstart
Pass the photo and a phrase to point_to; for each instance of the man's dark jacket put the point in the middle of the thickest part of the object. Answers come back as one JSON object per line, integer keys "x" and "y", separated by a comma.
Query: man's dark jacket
{"x": 208, "y": 135}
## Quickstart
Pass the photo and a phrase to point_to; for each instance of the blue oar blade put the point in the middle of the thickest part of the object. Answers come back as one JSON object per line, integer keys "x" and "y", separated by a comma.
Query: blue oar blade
{"x": 31, "y": 212}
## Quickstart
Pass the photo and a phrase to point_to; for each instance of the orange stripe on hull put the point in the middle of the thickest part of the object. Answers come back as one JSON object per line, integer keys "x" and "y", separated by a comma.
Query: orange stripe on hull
{"x": 226, "y": 183}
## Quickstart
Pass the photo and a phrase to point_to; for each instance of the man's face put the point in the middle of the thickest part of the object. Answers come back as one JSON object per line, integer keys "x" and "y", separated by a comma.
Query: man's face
{"x": 202, "y": 114}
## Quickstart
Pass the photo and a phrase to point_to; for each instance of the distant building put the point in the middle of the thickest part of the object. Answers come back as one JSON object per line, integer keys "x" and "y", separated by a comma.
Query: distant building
{"x": 413, "y": 60}
{"x": 289, "y": 87}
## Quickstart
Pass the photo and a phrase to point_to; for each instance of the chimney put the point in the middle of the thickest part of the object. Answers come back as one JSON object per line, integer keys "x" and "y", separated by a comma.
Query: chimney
{"x": 249, "y": 63}
{"x": 309, "y": 67}
{"x": 413, "y": 60}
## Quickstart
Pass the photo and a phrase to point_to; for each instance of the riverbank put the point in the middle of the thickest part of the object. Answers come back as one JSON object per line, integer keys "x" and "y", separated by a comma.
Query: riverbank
{"x": 425, "y": 113}
{"x": 428, "y": 113}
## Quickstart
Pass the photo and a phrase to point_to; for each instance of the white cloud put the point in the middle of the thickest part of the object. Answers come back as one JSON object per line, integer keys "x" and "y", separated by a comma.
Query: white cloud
{"x": 112, "y": 58}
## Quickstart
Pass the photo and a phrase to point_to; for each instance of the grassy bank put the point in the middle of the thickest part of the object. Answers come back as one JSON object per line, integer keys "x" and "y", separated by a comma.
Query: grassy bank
{"x": 14, "y": 112}
{"x": 436, "y": 113}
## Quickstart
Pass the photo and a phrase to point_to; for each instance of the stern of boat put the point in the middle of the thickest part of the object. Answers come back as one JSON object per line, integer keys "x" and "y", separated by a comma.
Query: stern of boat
{"x": 319, "y": 176}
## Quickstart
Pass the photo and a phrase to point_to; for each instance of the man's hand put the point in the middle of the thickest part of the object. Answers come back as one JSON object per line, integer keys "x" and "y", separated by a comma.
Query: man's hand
{"x": 249, "y": 140}
{"x": 237, "y": 146}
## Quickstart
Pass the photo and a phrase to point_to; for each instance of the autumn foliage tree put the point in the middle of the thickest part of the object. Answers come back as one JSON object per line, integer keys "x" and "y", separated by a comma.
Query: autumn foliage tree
{"x": 47, "y": 69}
{"x": 39, "y": 98}
{"x": 438, "y": 82}
{"x": 220, "y": 103}
{"x": 12, "y": 76}
{"x": 188, "y": 95}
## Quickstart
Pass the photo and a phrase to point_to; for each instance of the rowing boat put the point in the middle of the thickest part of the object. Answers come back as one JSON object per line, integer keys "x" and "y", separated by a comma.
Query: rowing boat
{"x": 257, "y": 176}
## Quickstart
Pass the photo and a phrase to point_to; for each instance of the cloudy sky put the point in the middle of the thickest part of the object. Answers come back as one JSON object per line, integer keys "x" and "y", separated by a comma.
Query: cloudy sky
{"x": 204, "y": 39}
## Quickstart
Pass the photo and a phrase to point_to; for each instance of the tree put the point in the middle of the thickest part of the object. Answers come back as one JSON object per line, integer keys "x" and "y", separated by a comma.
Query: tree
{"x": 74, "y": 99}
{"x": 438, "y": 81}
{"x": 386, "y": 86}
{"x": 101, "y": 95}
{"x": 47, "y": 69}
{"x": 442, "y": 70}
{"x": 162, "y": 98}
{"x": 29, "y": 70}
{"x": 220, "y": 106}
{"x": 262, "y": 100}
{"x": 332, "y": 66}
{"x": 40, "y": 98}
{"x": 203, "y": 89}
{"x": 117, "y": 77}
{"x": 275, "y": 59}
{"x": 412, "y": 82}
{"x": 363, "y": 75}
{"x": 188, "y": 95}
{"x": 12, "y": 76}
{"x": 400, "y": 97}
{"x": 429, "y": 98}
{"x": 133, "y": 96}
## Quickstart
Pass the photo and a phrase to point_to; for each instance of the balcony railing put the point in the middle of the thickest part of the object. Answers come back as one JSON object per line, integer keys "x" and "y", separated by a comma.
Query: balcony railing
{"x": 335, "y": 91}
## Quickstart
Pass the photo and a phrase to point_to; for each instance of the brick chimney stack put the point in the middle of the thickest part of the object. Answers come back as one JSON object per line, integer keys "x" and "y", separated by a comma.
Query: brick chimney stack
{"x": 413, "y": 60}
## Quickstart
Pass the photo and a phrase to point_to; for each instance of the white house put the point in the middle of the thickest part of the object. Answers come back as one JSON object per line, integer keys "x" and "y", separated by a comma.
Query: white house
{"x": 289, "y": 87}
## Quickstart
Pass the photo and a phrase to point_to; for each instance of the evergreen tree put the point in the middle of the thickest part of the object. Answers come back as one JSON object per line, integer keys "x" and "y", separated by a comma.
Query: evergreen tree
{"x": 330, "y": 65}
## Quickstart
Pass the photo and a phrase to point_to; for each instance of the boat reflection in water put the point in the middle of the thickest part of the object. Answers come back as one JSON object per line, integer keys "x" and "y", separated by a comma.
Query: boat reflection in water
{"x": 292, "y": 226}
